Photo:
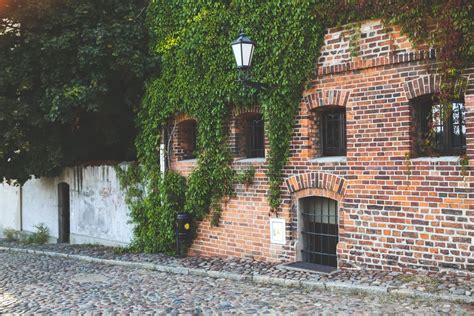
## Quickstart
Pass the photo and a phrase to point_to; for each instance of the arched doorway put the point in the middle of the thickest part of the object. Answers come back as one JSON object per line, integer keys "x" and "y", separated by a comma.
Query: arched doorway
{"x": 319, "y": 230}
{"x": 63, "y": 213}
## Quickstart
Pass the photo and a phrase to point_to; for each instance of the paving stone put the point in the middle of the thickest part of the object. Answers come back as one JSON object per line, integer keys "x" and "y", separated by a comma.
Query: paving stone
{"x": 49, "y": 285}
{"x": 445, "y": 283}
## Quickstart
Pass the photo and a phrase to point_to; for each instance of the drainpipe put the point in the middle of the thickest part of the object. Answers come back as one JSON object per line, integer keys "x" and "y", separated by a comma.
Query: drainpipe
{"x": 21, "y": 207}
{"x": 163, "y": 159}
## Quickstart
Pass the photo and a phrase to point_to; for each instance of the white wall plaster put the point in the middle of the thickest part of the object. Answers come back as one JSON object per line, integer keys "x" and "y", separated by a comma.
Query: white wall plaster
{"x": 9, "y": 207}
{"x": 99, "y": 213}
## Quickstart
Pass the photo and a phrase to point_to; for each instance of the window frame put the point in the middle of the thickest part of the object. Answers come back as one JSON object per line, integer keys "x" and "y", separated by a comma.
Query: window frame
{"x": 255, "y": 136}
{"x": 340, "y": 148}
{"x": 423, "y": 120}
{"x": 188, "y": 126}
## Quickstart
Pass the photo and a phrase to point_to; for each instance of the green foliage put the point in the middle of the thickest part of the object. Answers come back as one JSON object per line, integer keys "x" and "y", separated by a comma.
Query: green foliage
{"x": 39, "y": 236}
{"x": 216, "y": 215}
{"x": 71, "y": 73}
{"x": 198, "y": 78}
{"x": 246, "y": 177}
{"x": 11, "y": 234}
{"x": 120, "y": 250}
{"x": 354, "y": 40}
{"x": 464, "y": 162}
{"x": 153, "y": 207}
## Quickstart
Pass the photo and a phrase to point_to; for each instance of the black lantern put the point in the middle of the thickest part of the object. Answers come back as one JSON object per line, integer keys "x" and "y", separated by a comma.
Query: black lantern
{"x": 243, "y": 48}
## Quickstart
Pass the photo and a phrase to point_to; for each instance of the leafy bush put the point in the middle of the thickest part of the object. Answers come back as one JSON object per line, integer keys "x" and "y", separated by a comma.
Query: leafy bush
{"x": 11, "y": 234}
{"x": 40, "y": 236}
{"x": 153, "y": 210}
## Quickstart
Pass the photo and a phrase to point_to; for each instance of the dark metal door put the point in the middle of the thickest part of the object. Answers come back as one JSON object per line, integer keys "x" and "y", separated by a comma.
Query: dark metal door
{"x": 64, "y": 212}
{"x": 320, "y": 230}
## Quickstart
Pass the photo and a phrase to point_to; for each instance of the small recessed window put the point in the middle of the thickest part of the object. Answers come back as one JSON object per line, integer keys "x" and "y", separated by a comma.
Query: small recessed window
{"x": 250, "y": 136}
{"x": 187, "y": 139}
{"x": 255, "y": 137}
{"x": 440, "y": 129}
{"x": 333, "y": 131}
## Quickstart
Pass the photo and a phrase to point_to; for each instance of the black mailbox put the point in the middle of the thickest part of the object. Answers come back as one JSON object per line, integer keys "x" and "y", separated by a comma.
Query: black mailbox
{"x": 183, "y": 231}
{"x": 183, "y": 228}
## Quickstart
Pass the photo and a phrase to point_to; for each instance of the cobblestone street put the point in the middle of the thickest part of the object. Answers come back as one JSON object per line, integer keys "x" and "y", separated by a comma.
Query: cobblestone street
{"x": 32, "y": 283}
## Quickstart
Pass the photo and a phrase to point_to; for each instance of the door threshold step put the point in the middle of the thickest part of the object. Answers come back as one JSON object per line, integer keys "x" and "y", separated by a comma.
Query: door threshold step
{"x": 308, "y": 267}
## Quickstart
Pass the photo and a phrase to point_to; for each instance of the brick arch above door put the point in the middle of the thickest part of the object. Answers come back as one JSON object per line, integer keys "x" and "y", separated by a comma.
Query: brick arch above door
{"x": 317, "y": 180}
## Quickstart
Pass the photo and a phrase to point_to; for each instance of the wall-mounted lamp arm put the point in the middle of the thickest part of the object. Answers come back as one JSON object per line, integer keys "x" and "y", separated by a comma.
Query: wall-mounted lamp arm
{"x": 255, "y": 85}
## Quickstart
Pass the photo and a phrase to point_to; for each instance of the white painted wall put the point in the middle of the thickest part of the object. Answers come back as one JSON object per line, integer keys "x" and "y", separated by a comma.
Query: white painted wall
{"x": 99, "y": 213}
{"x": 40, "y": 205}
{"x": 9, "y": 207}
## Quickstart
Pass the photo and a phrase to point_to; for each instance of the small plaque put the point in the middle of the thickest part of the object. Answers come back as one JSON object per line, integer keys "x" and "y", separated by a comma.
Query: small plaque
{"x": 277, "y": 231}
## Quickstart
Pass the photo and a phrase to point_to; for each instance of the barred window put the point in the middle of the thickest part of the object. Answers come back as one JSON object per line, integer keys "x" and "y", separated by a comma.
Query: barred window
{"x": 250, "y": 136}
{"x": 255, "y": 137}
{"x": 333, "y": 131}
{"x": 440, "y": 129}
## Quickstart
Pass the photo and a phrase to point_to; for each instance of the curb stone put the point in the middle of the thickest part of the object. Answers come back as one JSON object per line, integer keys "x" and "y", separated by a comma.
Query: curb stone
{"x": 431, "y": 296}
{"x": 347, "y": 287}
{"x": 197, "y": 272}
{"x": 255, "y": 278}
{"x": 232, "y": 276}
{"x": 263, "y": 279}
{"x": 313, "y": 285}
{"x": 292, "y": 283}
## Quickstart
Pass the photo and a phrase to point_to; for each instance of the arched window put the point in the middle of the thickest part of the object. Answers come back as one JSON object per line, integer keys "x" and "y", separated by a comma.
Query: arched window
{"x": 319, "y": 230}
{"x": 187, "y": 139}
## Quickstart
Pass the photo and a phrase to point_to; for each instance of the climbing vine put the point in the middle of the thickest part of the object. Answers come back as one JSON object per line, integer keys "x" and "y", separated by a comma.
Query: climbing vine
{"x": 198, "y": 77}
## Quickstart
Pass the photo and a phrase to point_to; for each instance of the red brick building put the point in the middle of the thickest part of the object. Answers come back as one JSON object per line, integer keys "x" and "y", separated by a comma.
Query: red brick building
{"x": 361, "y": 188}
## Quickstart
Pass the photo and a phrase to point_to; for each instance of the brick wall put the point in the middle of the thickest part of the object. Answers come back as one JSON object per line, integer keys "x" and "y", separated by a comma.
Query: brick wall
{"x": 395, "y": 213}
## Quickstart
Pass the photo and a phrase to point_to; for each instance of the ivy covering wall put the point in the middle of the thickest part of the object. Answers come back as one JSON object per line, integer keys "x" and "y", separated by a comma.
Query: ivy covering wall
{"x": 198, "y": 77}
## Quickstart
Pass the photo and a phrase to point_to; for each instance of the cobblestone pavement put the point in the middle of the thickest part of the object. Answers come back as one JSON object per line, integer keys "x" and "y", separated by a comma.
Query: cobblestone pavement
{"x": 422, "y": 281}
{"x": 41, "y": 284}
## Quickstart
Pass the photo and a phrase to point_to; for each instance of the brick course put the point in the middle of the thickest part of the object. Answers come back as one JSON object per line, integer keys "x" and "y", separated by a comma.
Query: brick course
{"x": 394, "y": 213}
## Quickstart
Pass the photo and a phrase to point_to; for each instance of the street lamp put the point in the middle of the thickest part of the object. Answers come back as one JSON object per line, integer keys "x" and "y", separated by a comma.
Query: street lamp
{"x": 243, "y": 48}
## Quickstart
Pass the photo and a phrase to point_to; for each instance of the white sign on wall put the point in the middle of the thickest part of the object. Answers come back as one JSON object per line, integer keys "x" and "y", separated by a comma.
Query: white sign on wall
{"x": 277, "y": 231}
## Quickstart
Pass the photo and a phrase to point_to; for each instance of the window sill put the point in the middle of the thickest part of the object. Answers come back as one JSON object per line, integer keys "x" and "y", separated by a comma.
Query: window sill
{"x": 437, "y": 159}
{"x": 193, "y": 160}
{"x": 329, "y": 159}
{"x": 250, "y": 160}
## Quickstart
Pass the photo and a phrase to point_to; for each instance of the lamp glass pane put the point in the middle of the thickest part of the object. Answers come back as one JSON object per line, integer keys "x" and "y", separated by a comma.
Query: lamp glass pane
{"x": 247, "y": 51}
{"x": 237, "y": 54}
{"x": 251, "y": 55}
